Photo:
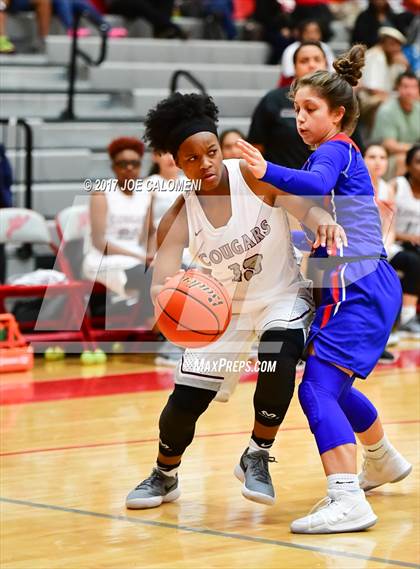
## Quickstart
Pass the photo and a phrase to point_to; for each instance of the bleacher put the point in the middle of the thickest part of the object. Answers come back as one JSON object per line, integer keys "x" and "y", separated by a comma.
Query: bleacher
{"x": 112, "y": 99}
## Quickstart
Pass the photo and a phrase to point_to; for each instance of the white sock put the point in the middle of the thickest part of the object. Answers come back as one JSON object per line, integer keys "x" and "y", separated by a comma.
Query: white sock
{"x": 253, "y": 447}
{"x": 379, "y": 449}
{"x": 343, "y": 481}
{"x": 407, "y": 313}
{"x": 172, "y": 472}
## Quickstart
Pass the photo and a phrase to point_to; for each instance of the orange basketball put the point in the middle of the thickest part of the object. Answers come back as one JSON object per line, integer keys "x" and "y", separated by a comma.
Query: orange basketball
{"x": 193, "y": 309}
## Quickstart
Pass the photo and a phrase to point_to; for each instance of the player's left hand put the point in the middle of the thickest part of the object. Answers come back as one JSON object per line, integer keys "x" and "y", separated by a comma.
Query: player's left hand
{"x": 330, "y": 236}
{"x": 253, "y": 158}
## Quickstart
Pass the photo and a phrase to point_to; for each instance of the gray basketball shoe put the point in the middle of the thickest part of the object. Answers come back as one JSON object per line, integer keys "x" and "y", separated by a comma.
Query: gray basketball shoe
{"x": 252, "y": 470}
{"x": 153, "y": 491}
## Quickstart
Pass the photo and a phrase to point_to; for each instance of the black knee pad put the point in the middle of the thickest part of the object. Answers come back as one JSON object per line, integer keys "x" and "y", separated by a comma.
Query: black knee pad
{"x": 278, "y": 354}
{"x": 178, "y": 418}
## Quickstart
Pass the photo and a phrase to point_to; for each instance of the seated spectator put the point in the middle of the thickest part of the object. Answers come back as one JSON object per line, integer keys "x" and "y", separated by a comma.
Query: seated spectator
{"x": 318, "y": 10}
{"x": 222, "y": 12}
{"x": 163, "y": 171}
{"x": 228, "y": 140}
{"x": 157, "y": 12}
{"x": 6, "y": 46}
{"x": 116, "y": 251}
{"x": 65, "y": 10}
{"x": 43, "y": 16}
{"x": 378, "y": 13}
{"x": 384, "y": 62}
{"x": 405, "y": 256}
{"x": 275, "y": 25}
{"x": 397, "y": 122}
{"x": 273, "y": 128}
{"x": 376, "y": 159}
{"x": 308, "y": 30}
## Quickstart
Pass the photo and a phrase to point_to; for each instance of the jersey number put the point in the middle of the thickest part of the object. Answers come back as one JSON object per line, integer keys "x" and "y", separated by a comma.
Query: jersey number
{"x": 251, "y": 266}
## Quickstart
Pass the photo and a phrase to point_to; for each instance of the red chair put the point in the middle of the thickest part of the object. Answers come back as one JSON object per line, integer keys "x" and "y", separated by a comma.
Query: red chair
{"x": 17, "y": 226}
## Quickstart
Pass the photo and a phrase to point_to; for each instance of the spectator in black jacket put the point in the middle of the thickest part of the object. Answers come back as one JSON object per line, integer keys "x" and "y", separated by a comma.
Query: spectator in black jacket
{"x": 368, "y": 22}
{"x": 276, "y": 27}
{"x": 273, "y": 128}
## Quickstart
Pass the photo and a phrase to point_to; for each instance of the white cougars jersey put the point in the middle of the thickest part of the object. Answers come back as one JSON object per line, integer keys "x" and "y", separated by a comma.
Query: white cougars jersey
{"x": 252, "y": 255}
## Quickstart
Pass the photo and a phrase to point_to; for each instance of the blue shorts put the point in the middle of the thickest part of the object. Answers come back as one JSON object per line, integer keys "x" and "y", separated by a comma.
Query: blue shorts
{"x": 360, "y": 303}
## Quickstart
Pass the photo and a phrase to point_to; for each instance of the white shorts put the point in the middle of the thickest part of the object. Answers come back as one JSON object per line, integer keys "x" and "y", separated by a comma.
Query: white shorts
{"x": 219, "y": 365}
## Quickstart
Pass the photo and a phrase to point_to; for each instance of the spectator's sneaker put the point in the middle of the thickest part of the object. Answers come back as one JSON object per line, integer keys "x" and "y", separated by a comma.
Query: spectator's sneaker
{"x": 252, "y": 470}
{"x": 6, "y": 46}
{"x": 339, "y": 512}
{"x": 387, "y": 358}
{"x": 118, "y": 33}
{"x": 153, "y": 491}
{"x": 391, "y": 467}
{"x": 81, "y": 33}
{"x": 411, "y": 329}
{"x": 171, "y": 32}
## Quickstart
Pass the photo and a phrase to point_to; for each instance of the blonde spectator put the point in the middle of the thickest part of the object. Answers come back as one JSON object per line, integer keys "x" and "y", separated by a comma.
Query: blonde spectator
{"x": 376, "y": 159}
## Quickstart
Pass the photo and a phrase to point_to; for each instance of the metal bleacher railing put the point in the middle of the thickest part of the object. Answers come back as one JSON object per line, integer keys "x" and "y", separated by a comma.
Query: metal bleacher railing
{"x": 173, "y": 83}
{"x": 68, "y": 113}
{"x": 10, "y": 129}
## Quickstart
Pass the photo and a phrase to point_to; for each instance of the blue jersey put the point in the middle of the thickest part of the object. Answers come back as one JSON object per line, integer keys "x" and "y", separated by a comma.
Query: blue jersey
{"x": 336, "y": 171}
{"x": 361, "y": 294}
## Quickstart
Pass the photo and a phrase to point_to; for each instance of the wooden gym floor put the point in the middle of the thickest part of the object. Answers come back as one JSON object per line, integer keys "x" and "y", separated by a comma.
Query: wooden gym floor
{"x": 75, "y": 440}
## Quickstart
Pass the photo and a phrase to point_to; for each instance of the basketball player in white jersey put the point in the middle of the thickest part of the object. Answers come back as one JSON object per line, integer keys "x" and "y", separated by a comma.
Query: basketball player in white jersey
{"x": 235, "y": 227}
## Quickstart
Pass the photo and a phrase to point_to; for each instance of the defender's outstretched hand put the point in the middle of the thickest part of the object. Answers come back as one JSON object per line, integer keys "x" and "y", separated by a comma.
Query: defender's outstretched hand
{"x": 330, "y": 236}
{"x": 253, "y": 158}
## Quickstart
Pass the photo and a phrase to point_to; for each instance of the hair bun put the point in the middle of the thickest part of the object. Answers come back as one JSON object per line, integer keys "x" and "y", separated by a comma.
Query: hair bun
{"x": 349, "y": 66}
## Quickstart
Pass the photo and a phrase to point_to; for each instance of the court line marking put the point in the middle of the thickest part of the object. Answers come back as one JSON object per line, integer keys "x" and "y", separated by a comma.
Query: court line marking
{"x": 215, "y": 533}
{"x": 156, "y": 439}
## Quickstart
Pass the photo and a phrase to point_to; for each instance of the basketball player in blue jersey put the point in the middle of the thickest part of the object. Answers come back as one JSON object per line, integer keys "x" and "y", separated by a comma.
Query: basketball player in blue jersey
{"x": 236, "y": 228}
{"x": 361, "y": 299}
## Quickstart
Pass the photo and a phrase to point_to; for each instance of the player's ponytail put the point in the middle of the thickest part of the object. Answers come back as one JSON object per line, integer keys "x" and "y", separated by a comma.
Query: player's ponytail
{"x": 337, "y": 87}
{"x": 349, "y": 66}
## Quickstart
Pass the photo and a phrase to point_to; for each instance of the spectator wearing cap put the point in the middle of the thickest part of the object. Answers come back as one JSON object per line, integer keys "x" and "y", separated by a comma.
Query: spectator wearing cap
{"x": 383, "y": 63}
{"x": 397, "y": 122}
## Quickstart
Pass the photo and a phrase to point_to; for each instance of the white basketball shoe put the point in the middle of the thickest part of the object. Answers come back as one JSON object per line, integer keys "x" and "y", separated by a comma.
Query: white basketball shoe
{"x": 338, "y": 512}
{"x": 391, "y": 467}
